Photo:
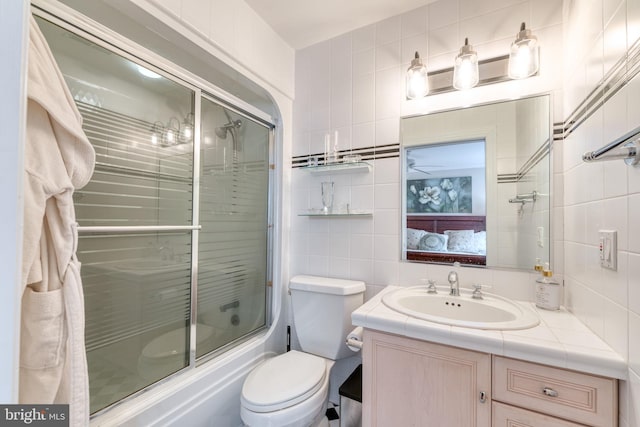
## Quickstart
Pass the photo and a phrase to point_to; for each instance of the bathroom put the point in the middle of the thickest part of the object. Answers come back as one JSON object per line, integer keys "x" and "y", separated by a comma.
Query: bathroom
{"x": 352, "y": 82}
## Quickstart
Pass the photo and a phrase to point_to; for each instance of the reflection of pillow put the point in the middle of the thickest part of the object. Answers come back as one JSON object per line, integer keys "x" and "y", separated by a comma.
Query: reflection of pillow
{"x": 461, "y": 240}
{"x": 413, "y": 237}
{"x": 480, "y": 239}
{"x": 433, "y": 242}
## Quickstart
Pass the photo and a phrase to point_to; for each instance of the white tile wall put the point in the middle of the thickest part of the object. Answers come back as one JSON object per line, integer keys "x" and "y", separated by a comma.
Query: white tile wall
{"x": 587, "y": 197}
{"x": 365, "y": 101}
{"x": 603, "y": 195}
{"x": 239, "y": 34}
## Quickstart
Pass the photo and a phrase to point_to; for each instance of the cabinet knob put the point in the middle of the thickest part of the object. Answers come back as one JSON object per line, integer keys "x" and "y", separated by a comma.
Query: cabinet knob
{"x": 550, "y": 392}
{"x": 483, "y": 397}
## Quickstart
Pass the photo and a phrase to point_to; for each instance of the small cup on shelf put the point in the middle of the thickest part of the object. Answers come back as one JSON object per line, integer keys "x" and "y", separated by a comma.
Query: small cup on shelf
{"x": 327, "y": 197}
{"x": 351, "y": 158}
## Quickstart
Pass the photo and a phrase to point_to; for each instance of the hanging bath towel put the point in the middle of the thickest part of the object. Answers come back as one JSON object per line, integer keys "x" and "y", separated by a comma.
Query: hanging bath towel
{"x": 58, "y": 159}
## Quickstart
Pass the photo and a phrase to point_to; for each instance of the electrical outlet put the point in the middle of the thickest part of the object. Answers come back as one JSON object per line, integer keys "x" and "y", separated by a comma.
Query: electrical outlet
{"x": 608, "y": 246}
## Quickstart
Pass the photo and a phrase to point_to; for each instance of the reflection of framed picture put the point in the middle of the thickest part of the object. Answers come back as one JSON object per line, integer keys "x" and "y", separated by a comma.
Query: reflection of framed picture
{"x": 439, "y": 195}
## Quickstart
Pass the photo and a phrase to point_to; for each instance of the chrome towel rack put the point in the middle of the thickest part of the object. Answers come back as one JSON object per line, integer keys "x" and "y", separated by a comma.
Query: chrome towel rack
{"x": 525, "y": 198}
{"x": 626, "y": 148}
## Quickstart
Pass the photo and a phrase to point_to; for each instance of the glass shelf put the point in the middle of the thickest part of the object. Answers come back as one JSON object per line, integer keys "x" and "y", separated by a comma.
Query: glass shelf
{"x": 338, "y": 168}
{"x": 317, "y": 213}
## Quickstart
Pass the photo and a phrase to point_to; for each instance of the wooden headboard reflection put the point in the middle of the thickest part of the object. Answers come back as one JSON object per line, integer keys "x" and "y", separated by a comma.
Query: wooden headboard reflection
{"x": 440, "y": 223}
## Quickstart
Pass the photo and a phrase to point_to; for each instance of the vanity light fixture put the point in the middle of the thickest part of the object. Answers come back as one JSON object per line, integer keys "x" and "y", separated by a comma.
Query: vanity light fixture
{"x": 173, "y": 132}
{"x": 468, "y": 72}
{"x": 524, "y": 57}
{"x": 417, "y": 79}
{"x": 465, "y": 71}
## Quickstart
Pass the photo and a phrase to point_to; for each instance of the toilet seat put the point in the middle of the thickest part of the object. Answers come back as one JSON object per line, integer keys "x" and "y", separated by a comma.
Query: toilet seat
{"x": 172, "y": 343}
{"x": 283, "y": 381}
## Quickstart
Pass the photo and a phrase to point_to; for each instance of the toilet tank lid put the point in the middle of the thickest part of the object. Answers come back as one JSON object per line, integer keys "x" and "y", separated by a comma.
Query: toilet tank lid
{"x": 326, "y": 285}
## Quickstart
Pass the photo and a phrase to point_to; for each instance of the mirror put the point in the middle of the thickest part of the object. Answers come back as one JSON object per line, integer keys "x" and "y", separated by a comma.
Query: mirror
{"x": 476, "y": 185}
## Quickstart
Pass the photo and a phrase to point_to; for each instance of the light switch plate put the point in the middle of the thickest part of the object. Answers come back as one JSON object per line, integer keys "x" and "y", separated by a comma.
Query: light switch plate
{"x": 608, "y": 242}
{"x": 540, "y": 233}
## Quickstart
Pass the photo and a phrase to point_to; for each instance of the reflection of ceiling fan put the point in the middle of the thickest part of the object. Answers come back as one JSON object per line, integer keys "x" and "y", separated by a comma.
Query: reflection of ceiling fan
{"x": 411, "y": 164}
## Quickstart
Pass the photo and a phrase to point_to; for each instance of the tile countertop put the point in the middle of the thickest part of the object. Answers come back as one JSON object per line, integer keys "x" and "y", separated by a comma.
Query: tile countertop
{"x": 560, "y": 340}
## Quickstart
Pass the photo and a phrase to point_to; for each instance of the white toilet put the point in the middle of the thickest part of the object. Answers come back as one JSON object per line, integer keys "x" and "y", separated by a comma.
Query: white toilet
{"x": 167, "y": 353}
{"x": 292, "y": 389}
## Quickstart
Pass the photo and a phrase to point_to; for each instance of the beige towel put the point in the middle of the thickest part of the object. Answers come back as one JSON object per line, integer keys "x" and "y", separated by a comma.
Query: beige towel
{"x": 58, "y": 159}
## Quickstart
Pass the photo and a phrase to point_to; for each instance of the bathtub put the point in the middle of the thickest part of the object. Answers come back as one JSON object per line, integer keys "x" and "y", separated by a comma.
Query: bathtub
{"x": 208, "y": 395}
{"x": 205, "y": 396}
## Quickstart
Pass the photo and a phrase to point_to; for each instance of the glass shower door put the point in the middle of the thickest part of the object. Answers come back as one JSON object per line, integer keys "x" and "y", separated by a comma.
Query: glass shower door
{"x": 173, "y": 242}
{"x": 135, "y": 216}
{"x": 232, "y": 249}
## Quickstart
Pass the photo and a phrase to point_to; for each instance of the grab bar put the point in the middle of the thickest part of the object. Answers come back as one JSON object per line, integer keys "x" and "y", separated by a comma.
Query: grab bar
{"x": 525, "y": 198}
{"x": 625, "y": 147}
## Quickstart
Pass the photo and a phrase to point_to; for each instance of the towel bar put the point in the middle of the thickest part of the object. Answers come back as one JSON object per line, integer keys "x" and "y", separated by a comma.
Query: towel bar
{"x": 525, "y": 198}
{"x": 625, "y": 147}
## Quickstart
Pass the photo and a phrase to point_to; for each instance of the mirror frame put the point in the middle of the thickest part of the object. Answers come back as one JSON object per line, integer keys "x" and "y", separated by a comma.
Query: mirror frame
{"x": 487, "y": 133}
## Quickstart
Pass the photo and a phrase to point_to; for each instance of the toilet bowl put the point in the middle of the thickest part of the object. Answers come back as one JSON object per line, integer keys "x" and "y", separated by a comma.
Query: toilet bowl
{"x": 166, "y": 353}
{"x": 287, "y": 390}
{"x": 292, "y": 389}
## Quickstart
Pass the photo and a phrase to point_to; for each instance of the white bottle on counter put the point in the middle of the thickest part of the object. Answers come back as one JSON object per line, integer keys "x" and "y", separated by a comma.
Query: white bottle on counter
{"x": 547, "y": 290}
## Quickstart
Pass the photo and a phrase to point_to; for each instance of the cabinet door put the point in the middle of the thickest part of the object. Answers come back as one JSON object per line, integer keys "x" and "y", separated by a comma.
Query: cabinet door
{"x": 510, "y": 416}
{"x": 408, "y": 382}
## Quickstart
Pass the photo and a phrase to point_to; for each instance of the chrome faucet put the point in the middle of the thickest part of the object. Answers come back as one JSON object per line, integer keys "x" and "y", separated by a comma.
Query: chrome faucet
{"x": 453, "y": 281}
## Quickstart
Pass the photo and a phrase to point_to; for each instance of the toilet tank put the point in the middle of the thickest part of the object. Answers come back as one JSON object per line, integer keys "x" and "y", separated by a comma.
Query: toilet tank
{"x": 322, "y": 309}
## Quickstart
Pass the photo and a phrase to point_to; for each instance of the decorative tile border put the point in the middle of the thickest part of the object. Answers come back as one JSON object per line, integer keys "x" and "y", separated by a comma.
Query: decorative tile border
{"x": 368, "y": 153}
{"x": 616, "y": 78}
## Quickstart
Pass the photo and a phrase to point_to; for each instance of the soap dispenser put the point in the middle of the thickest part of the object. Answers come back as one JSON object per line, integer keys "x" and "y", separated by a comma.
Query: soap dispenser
{"x": 547, "y": 290}
{"x": 538, "y": 266}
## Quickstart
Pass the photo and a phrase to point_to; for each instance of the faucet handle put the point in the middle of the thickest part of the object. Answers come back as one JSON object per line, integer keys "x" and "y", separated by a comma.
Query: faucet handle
{"x": 477, "y": 291}
{"x": 431, "y": 287}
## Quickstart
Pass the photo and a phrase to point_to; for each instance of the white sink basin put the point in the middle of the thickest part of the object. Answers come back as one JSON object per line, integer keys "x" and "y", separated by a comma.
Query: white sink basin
{"x": 491, "y": 312}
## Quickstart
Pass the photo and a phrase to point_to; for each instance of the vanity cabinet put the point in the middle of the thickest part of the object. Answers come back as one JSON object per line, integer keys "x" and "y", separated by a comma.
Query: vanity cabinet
{"x": 408, "y": 382}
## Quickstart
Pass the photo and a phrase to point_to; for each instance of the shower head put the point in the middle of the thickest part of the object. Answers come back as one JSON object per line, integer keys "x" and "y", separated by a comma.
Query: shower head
{"x": 222, "y": 131}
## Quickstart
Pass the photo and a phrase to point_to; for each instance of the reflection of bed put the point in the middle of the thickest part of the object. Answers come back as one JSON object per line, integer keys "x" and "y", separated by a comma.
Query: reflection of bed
{"x": 439, "y": 224}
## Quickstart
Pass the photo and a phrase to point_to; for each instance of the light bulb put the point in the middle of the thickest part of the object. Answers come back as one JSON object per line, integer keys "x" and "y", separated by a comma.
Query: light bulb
{"x": 186, "y": 135}
{"x": 417, "y": 80}
{"x": 157, "y": 132}
{"x": 465, "y": 72}
{"x": 170, "y": 136}
{"x": 524, "y": 57}
{"x": 172, "y": 132}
